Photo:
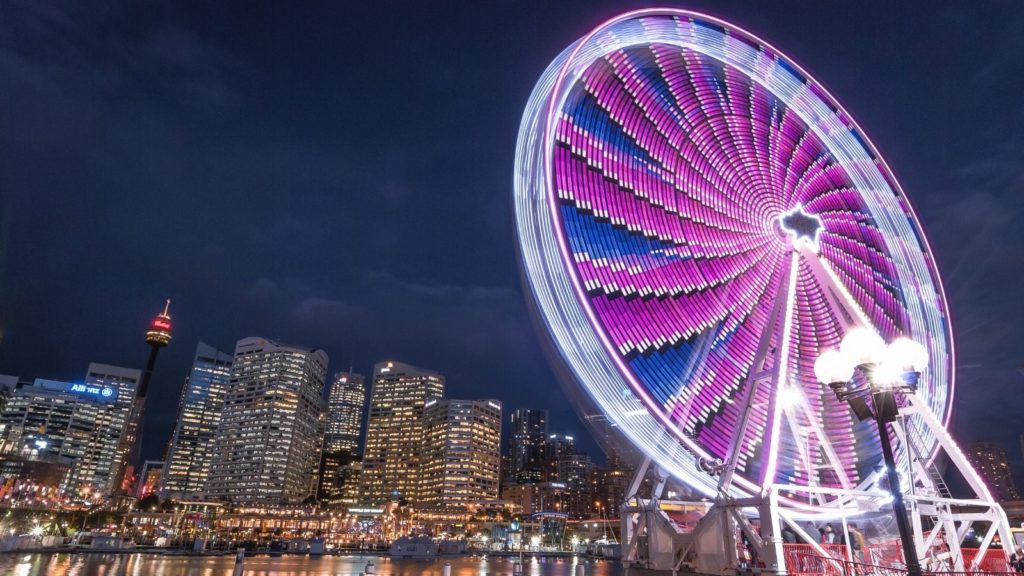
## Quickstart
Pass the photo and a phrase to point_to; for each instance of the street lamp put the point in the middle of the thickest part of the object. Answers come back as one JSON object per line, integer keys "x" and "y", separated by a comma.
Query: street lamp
{"x": 886, "y": 369}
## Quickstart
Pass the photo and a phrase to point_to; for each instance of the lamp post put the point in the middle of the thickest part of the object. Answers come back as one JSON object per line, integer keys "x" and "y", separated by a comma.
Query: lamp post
{"x": 886, "y": 369}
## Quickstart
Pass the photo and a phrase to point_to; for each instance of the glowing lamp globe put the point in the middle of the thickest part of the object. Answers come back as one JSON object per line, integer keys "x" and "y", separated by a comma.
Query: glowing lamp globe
{"x": 833, "y": 366}
{"x": 694, "y": 211}
{"x": 906, "y": 355}
{"x": 863, "y": 346}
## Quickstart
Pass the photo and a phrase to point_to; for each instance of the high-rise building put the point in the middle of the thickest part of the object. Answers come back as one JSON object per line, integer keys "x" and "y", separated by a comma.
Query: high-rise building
{"x": 461, "y": 454}
{"x": 394, "y": 430}
{"x": 267, "y": 448}
{"x": 190, "y": 451}
{"x": 46, "y": 428}
{"x": 991, "y": 463}
{"x": 345, "y": 413}
{"x": 526, "y": 445}
{"x": 106, "y": 455}
{"x": 74, "y": 426}
{"x": 574, "y": 471}
{"x": 555, "y": 447}
{"x": 608, "y": 487}
{"x": 340, "y": 473}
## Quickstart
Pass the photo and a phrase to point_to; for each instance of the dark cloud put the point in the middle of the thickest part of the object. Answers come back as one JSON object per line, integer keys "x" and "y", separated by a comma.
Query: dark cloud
{"x": 339, "y": 176}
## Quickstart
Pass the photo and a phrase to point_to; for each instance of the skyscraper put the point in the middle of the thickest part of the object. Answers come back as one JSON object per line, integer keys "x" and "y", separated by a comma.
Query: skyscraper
{"x": 460, "y": 459}
{"x": 574, "y": 471}
{"x": 340, "y": 464}
{"x": 47, "y": 428}
{"x": 345, "y": 413}
{"x": 556, "y": 447}
{"x": 267, "y": 447}
{"x": 339, "y": 478}
{"x": 190, "y": 451}
{"x": 526, "y": 445}
{"x": 394, "y": 431}
{"x": 108, "y": 452}
{"x": 990, "y": 461}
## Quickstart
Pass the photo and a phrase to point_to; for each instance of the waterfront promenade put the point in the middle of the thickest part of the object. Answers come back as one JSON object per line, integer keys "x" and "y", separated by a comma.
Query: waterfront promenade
{"x": 40, "y": 564}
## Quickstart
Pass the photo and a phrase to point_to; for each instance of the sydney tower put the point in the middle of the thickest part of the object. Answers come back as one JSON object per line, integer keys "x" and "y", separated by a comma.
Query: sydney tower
{"x": 158, "y": 336}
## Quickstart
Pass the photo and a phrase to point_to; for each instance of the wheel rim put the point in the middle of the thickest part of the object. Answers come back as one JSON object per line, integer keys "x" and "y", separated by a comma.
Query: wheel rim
{"x": 666, "y": 164}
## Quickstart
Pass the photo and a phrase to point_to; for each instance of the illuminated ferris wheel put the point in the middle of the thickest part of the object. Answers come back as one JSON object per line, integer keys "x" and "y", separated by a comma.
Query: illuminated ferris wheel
{"x": 698, "y": 221}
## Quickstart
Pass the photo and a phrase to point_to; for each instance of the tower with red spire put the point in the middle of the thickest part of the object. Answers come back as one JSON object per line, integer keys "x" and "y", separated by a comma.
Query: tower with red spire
{"x": 158, "y": 336}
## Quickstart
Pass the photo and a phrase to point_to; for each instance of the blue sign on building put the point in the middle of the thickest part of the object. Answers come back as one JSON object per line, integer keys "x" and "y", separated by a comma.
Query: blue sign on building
{"x": 105, "y": 394}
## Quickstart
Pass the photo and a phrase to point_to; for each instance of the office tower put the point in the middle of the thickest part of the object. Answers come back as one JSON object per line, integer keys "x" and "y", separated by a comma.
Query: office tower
{"x": 46, "y": 428}
{"x": 158, "y": 336}
{"x": 555, "y": 447}
{"x": 340, "y": 473}
{"x": 991, "y": 463}
{"x": 461, "y": 454}
{"x": 574, "y": 471}
{"x": 394, "y": 431}
{"x": 267, "y": 447}
{"x": 74, "y": 426}
{"x": 190, "y": 451}
{"x": 608, "y": 487}
{"x": 107, "y": 454}
{"x": 526, "y": 445}
{"x": 345, "y": 413}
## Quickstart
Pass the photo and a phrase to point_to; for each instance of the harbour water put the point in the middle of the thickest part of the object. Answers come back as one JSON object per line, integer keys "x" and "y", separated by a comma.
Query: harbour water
{"x": 159, "y": 565}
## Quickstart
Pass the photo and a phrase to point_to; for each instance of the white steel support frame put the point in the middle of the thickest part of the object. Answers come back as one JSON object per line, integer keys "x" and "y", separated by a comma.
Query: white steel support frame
{"x": 951, "y": 518}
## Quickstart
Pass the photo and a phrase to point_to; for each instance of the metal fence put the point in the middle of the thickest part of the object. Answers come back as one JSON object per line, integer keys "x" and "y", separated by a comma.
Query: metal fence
{"x": 883, "y": 559}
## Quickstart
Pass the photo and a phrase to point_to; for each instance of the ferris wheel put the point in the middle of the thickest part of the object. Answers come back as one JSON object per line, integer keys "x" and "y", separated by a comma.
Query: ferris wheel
{"x": 698, "y": 221}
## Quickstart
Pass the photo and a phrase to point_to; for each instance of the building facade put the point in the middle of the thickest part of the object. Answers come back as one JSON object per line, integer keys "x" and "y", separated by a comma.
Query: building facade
{"x": 190, "y": 451}
{"x": 556, "y": 447}
{"x": 340, "y": 474}
{"x": 991, "y": 463}
{"x": 537, "y": 498}
{"x": 608, "y": 487}
{"x": 527, "y": 437}
{"x": 461, "y": 455}
{"x": 345, "y": 413}
{"x": 107, "y": 454}
{"x": 394, "y": 430}
{"x": 71, "y": 429}
{"x": 574, "y": 471}
{"x": 45, "y": 430}
{"x": 267, "y": 447}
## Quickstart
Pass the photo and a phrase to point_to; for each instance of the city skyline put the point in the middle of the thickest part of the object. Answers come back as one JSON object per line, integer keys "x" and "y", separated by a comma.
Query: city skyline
{"x": 417, "y": 228}
{"x": 414, "y": 245}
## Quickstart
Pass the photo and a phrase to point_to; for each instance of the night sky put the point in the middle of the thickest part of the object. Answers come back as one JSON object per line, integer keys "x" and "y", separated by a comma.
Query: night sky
{"x": 339, "y": 175}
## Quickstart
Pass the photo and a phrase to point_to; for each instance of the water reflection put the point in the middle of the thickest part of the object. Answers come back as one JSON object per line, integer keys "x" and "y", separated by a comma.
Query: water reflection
{"x": 154, "y": 565}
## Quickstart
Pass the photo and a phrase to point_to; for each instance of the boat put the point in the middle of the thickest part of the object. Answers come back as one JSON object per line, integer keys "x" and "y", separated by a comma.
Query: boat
{"x": 451, "y": 547}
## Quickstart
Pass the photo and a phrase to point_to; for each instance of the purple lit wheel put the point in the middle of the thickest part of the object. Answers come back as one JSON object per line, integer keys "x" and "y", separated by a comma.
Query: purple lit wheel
{"x": 697, "y": 215}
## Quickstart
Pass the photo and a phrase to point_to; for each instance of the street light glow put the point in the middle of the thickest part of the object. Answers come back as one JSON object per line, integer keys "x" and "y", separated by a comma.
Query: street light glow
{"x": 906, "y": 354}
{"x": 863, "y": 346}
{"x": 833, "y": 366}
